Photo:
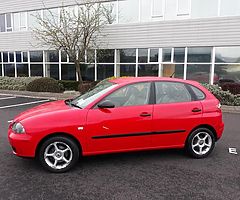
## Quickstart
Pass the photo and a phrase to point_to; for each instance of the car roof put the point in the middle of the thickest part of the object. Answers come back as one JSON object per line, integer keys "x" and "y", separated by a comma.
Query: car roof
{"x": 126, "y": 80}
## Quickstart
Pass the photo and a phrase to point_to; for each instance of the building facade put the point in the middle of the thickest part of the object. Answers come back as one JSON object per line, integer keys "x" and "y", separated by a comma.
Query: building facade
{"x": 189, "y": 39}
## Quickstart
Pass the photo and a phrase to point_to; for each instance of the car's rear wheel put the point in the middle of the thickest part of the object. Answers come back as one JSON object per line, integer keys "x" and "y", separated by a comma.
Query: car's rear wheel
{"x": 58, "y": 154}
{"x": 200, "y": 143}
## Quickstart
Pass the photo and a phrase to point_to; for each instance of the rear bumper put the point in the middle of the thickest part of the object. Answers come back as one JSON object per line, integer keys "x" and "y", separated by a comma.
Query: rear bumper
{"x": 220, "y": 130}
{"x": 22, "y": 144}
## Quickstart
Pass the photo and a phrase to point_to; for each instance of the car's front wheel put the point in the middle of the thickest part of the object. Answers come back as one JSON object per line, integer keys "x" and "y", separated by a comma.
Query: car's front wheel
{"x": 58, "y": 154}
{"x": 200, "y": 143}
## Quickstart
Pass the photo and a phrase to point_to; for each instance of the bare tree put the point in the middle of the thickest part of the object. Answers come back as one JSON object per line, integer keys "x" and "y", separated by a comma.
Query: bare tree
{"x": 74, "y": 30}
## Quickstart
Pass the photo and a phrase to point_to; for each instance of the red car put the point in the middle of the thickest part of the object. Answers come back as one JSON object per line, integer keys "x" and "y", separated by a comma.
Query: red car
{"x": 120, "y": 115}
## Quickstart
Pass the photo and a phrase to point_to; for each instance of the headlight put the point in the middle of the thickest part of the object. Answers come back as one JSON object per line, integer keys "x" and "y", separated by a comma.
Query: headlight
{"x": 18, "y": 128}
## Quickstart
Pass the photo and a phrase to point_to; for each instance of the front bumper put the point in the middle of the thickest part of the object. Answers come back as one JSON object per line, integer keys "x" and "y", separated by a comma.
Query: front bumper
{"x": 23, "y": 145}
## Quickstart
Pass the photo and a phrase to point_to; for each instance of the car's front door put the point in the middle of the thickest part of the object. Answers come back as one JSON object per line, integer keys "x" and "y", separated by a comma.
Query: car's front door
{"x": 175, "y": 114}
{"x": 124, "y": 127}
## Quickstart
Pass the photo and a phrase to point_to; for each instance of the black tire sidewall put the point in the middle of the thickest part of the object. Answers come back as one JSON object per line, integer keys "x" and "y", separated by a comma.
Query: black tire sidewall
{"x": 189, "y": 143}
{"x": 69, "y": 142}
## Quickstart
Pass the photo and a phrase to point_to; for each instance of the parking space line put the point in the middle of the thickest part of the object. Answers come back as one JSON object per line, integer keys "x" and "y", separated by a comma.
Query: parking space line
{"x": 7, "y": 98}
{"x": 23, "y": 104}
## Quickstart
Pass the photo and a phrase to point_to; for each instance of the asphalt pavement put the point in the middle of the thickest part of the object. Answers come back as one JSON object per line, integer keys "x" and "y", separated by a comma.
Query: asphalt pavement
{"x": 164, "y": 174}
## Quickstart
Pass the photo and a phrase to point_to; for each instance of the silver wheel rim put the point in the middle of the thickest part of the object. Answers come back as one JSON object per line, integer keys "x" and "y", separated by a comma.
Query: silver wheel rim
{"x": 201, "y": 143}
{"x": 58, "y": 155}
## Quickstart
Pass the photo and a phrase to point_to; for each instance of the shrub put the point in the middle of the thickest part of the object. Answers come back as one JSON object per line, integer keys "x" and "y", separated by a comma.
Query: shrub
{"x": 69, "y": 85}
{"x": 234, "y": 88}
{"x": 12, "y": 83}
{"x": 225, "y": 97}
{"x": 45, "y": 85}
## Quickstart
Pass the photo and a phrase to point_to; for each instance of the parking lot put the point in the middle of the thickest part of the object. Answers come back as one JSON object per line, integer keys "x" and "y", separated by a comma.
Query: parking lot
{"x": 165, "y": 174}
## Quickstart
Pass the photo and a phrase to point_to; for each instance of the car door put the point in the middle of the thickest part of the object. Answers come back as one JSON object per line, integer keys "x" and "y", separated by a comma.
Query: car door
{"x": 175, "y": 114}
{"x": 124, "y": 127}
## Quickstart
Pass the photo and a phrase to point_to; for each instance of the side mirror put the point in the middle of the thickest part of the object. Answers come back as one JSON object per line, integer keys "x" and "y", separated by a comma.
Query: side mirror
{"x": 106, "y": 104}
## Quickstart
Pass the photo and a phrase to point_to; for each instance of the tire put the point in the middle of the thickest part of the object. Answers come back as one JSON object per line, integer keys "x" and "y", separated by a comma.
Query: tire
{"x": 200, "y": 143}
{"x": 58, "y": 154}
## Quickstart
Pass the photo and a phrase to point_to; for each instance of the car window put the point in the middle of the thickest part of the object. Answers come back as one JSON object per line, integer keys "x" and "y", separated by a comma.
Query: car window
{"x": 198, "y": 93}
{"x": 171, "y": 92}
{"x": 130, "y": 95}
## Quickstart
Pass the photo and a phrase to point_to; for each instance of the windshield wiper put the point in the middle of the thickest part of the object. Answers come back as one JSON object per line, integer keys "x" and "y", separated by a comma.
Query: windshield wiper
{"x": 70, "y": 103}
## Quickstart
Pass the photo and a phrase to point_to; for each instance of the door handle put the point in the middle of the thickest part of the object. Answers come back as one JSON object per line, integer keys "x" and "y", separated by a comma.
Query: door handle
{"x": 145, "y": 114}
{"x": 196, "y": 110}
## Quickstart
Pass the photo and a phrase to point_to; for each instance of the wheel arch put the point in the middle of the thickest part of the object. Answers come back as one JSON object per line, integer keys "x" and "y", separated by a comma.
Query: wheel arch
{"x": 203, "y": 126}
{"x": 63, "y": 134}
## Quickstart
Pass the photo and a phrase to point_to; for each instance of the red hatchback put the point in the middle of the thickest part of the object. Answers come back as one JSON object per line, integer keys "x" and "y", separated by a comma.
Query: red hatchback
{"x": 120, "y": 115}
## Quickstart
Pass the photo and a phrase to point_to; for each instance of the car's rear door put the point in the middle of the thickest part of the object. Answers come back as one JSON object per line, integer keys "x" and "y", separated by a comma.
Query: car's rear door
{"x": 125, "y": 127}
{"x": 175, "y": 113}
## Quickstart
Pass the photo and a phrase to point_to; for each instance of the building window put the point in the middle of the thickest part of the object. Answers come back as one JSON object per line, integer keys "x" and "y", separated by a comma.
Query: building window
{"x": 127, "y": 70}
{"x": 9, "y": 70}
{"x": 227, "y": 73}
{"x": 199, "y": 72}
{"x": 51, "y": 56}
{"x": 24, "y": 57}
{"x": 9, "y": 22}
{"x": 33, "y": 19}
{"x": 205, "y": 8}
{"x": 173, "y": 70}
{"x": 142, "y": 55}
{"x": 127, "y": 56}
{"x": 105, "y": 71}
{"x": 167, "y": 54}
{"x": 145, "y": 10}
{"x": 2, "y": 23}
{"x": 22, "y": 70}
{"x": 64, "y": 57}
{"x": 128, "y": 11}
{"x": 52, "y": 70}
{"x": 157, "y": 8}
{"x": 68, "y": 72}
{"x": 88, "y": 72}
{"x": 230, "y": 7}
{"x": 18, "y": 56}
{"x": 183, "y": 7}
{"x": 105, "y": 56}
{"x": 36, "y": 69}
{"x": 11, "y": 57}
{"x": 36, "y": 56}
{"x": 148, "y": 70}
{"x": 153, "y": 55}
{"x": 227, "y": 55}
{"x": 179, "y": 55}
{"x": 199, "y": 54}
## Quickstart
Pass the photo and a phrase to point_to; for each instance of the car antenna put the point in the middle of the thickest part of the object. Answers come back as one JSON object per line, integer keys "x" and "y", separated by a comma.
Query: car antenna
{"x": 172, "y": 75}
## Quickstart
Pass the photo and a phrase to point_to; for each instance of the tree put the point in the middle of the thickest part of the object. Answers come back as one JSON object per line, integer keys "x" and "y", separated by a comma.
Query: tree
{"x": 74, "y": 30}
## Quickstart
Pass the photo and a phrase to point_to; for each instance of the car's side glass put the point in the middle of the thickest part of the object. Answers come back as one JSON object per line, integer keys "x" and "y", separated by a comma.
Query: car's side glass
{"x": 171, "y": 92}
{"x": 198, "y": 93}
{"x": 130, "y": 95}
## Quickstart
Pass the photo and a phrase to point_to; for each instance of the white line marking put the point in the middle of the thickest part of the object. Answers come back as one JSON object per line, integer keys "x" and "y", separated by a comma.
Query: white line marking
{"x": 23, "y": 104}
{"x": 232, "y": 151}
{"x": 7, "y": 98}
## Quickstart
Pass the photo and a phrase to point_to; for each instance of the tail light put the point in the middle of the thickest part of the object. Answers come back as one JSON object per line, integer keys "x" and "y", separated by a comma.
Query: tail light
{"x": 219, "y": 106}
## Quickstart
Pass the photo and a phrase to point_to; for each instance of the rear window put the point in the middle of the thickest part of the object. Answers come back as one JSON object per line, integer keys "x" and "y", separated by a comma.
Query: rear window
{"x": 198, "y": 93}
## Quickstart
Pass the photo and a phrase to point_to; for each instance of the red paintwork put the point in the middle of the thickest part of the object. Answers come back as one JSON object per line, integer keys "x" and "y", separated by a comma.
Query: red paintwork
{"x": 56, "y": 117}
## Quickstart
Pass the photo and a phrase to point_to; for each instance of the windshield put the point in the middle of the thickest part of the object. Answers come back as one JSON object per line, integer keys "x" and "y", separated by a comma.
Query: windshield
{"x": 100, "y": 89}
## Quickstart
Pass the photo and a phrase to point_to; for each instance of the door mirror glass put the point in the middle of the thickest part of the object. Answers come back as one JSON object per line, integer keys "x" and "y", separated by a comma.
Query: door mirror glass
{"x": 106, "y": 104}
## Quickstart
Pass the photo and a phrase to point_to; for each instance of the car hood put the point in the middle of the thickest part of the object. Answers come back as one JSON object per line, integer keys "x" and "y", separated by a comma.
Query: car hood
{"x": 44, "y": 109}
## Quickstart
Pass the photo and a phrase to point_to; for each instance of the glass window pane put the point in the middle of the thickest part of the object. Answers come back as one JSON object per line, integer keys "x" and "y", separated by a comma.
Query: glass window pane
{"x": 204, "y": 8}
{"x": 36, "y": 56}
{"x": 200, "y": 73}
{"x": 111, "y": 8}
{"x": 173, "y": 70}
{"x": 23, "y": 21}
{"x": 63, "y": 56}
{"x": 183, "y": 7}
{"x": 51, "y": 15}
{"x": 230, "y": 7}
{"x": 16, "y": 21}
{"x": 179, "y": 55}
{"x": 0, "y": 69}
{"x": 157, "y": 8}
{"x": 166, "y": 54}
{"x": 9, "y": 21}
{"x": 91, "y": 56}
{"x": 199, "y": 94}
{"x": 199, "y": 54}
{"x": 127, "y": 70}
{"x": 170, "y": 10}
{"x": 11, "y": 56}
{"x": 153, "y": 55}
{"x": 25, "y": 56}
{"x": 18, "y": 56}
{"x": 33, "y": 19}
{"x": 9, "y": 70}
{"x": 52, "y": 56}
{"x": 148, "y": 70}
{"x": 227, "y": 55}
{"x": 227, "y": 73}
{"x": 22, "y": 70}
{"x": 131, "y": 95}
{"x": 170, "y": 92}
{"x": 5, "y": 56}
{"x": 145, "y": 10}
{"x": 36, "y": 69}
{"x": 105, "y": 56}
{"x": 88, "y": 72}
{"x": 52, "y": 70}
{"x": 128, "y": 11}
{"x": 127, "y": 55}
{"x": 105, "y": 71}
{"x": 2, "y": 23}
{"x": 143, "y": 55}
{"x": 68, "y": 72}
